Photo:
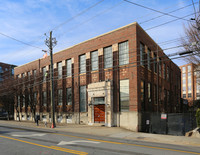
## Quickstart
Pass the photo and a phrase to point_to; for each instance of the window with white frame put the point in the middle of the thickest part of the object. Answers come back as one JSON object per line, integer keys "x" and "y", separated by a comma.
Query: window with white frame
{"x": 142, "y": 53}
{"x": 69, "y": 67}
{"x": 69, "y": 96}
{"x": 82, "y": 64}
{"x": 124, "y": 95}
{"x": 94, "y": 60}
{"x": 123, "y": 53}
{"x": 60, "y": 70}
{"x": 108, "y": 57}
{"x": 60, "y": 97}
{"x": 82, "y": 99}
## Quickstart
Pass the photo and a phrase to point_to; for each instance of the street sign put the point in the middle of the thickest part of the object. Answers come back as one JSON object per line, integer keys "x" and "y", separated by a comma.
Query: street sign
{"x": 163, "y": 116}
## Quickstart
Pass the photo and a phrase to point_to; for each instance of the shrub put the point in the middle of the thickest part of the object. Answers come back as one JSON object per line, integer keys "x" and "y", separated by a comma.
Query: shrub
{"x": 198, "y": 117}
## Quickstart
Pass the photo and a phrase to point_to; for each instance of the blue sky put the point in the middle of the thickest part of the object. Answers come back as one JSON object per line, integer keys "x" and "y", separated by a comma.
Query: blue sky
{"x": 28, "y": 20}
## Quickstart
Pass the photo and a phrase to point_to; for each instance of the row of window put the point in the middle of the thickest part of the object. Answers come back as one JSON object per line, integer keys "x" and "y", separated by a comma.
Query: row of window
{"x": 189, "y": 69}
{"x": 149, "y": 57}
{"x": 108, "y": 61}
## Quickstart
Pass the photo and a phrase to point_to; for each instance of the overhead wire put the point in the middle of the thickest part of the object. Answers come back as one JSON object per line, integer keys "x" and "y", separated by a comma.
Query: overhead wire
{"x": 116, "y": 68}
{"x": 182, "y": 18}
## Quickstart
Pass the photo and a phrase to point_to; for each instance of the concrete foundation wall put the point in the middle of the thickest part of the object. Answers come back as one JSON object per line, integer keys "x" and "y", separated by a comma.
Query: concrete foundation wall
{"x": 128, "y": 120}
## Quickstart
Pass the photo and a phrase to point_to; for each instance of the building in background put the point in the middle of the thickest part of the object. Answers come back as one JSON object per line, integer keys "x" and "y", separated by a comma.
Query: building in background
{"x": 190, "y": 82}
{"x": 6, "y": 89}
{"x": 111, "y": 79}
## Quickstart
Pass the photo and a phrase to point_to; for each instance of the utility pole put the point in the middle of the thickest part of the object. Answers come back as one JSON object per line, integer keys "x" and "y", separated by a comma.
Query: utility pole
{"x": 51, "y": 42}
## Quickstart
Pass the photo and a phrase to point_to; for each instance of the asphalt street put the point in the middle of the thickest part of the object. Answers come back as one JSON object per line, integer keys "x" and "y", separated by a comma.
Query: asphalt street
{"x": 26, "y": 141}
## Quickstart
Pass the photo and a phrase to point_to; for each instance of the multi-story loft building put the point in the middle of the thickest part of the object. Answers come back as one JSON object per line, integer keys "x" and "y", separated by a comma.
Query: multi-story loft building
{"x": 110, "y": 79}
{"x": 6, "y": 79}
{"x": 6, "y": 72}
{"x": 190, "y": 82}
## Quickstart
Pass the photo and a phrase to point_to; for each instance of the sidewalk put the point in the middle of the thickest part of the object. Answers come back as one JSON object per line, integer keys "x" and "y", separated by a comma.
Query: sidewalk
{"x": 114, "y": 132}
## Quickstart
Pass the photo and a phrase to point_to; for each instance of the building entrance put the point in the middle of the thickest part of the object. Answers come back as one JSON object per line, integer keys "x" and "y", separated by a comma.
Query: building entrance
{"x": 99, "y": 110}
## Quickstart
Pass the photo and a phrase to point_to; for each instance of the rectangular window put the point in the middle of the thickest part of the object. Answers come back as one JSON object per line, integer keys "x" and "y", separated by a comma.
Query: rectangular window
{"x": 149, "y": 92}
{"x": 168, "y": 97}
{"x": 164, "y": 71}
{"x": 18, "y": 100}
{"x": 12, "y": 71}
{"x": 108, "y": 57}
{"x": 23, "y": 101}
{"x": 189, "y": 95}
{"x": 160, "y": 94}
{"x": 124, "y": 95}
{"x": 94, "y": 60}
{"x": 59, "y": 70}
{"x": 60, "y": 97}
{"x": 189, "y": 68}
{"x": 69, "y": 96}
{"x": 160, "y": 67}
{"x": 82, "y": 64}
{"x": 29, "y": 75}
{"x": 29, "y": 100}
{"x": 142, "y": 53}
{"x": 44, "y": 98}
{"x": 82, "y": 99}
{"x": 155, "y": 63}
{"x": 35, "y": 98}
{"x": 69, "y": 67}
{"x": 123, "y": 53}
{"x": 34, "y": 74}
{"x": 183, "y": 70}
{"x": 1, "y": 70}
{"x": 149, "y": 59}
{"x": 155, "y": 94}
{"x": 142, "y": 91}
{"x": 44, "y": 73}
{"x": 167, "y": 73}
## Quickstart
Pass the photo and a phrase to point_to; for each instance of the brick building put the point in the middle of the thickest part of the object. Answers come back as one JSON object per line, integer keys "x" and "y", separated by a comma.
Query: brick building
{"x": 190, "y": 82}
{"x": 110, "y": 79}
{"x": 6, "y": 81}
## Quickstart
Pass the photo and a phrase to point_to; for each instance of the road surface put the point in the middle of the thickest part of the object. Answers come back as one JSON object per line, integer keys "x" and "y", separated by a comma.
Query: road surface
{"x": 17, "y": 140}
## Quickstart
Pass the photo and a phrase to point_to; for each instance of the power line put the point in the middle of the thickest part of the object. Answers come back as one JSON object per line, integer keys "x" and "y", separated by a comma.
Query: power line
{"x": 19, "y": 40}
{"x": 164, "y": 15}
{"x": 164, "y": 58}
{"x": 155, "y": 10}
{"x": 114, "y": 68}
{"x": 68, "y": 20}
{"x": 167, "y": 22}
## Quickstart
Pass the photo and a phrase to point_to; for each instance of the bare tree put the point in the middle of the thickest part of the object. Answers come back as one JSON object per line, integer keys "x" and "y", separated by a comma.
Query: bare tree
{"x": 191, "y": 42}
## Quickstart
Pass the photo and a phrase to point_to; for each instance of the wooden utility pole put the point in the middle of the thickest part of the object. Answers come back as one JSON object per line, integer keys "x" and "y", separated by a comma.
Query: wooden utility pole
{"x": 51, "y": 42}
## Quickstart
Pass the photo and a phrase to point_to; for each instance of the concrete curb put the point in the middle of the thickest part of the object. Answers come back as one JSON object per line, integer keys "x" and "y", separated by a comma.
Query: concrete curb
{"x": 114, "y": 132}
